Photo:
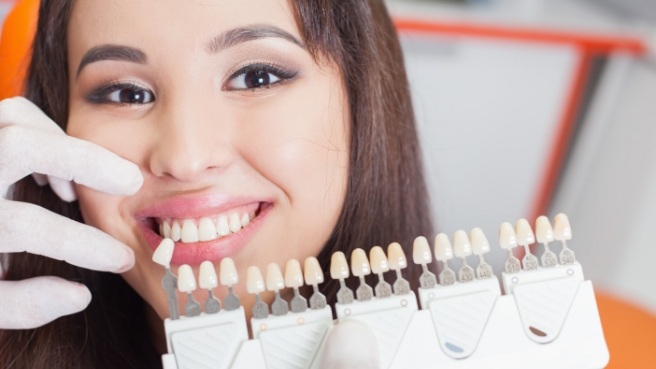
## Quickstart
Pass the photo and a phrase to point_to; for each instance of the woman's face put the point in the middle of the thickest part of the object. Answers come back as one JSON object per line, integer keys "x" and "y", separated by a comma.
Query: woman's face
{"x": 241, "y": 136}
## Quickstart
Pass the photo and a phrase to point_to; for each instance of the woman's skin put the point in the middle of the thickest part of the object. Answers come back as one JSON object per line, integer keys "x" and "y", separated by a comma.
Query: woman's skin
{"x": 224, "y": 111}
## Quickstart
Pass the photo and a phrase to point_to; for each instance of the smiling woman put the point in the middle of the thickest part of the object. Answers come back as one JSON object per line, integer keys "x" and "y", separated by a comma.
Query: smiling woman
{"x": 264, "y": 130}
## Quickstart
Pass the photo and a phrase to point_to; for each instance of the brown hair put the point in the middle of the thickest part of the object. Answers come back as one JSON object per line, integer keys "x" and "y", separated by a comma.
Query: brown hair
{"x": 386, "y": 197}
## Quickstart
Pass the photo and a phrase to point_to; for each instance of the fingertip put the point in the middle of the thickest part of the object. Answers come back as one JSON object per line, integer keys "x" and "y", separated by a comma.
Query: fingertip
{"x": 127, "y": 261}
{"x": 131, "y": 177}
{"x": 63, "y": 188}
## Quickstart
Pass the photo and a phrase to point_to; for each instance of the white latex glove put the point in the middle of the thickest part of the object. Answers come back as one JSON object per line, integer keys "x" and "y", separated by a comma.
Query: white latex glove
{"x": 32, "y": 143}
{"x": 351, "y": 345}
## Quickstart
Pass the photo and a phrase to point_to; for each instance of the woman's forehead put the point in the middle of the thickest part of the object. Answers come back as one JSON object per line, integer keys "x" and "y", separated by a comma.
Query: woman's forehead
{"x": 171, "y": 25}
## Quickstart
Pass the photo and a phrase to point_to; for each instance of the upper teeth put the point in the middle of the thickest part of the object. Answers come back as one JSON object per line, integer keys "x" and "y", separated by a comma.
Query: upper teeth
{"x": 203, "y": 229}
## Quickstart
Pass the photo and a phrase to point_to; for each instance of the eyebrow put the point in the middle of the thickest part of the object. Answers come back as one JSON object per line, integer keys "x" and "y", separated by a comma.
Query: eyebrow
{"x": 112, "y": 52}
{"x": 248, "y": 33}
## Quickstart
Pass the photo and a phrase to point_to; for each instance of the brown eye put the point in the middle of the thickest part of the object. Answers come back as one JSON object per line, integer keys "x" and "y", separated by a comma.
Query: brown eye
{"x": 131, "y": 96}
{"x": 257, "y": 76}
{"x": 122, "y": 94}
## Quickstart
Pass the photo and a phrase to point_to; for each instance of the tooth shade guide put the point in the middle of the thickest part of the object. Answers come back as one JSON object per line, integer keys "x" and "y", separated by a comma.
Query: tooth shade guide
{"x": 462, "y": 249}
{"x": 228, "y": 277}
{"x": 480, "y": 246}
{"x": 525, "y": 238}
{"x": 398, "y": 261}
{"x": 313, "y": 276}
{"x": 563, "y": 233}
{"x": 294, "y": 280}
{"x": 380, "y": 265}
{"x": 360, "y": 268}
{"x": 339, "y": 270}
{"x": 421, "y": 255}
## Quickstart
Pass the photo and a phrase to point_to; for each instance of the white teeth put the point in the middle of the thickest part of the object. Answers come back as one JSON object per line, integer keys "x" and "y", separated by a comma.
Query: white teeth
{"x": 562, "y": 229}
{"x": 166, "y": 229}
{"x": 235, "y": 223}
{"x": 186, "y": 280}
{"x": 524, "y": 232}
{"x": 378, "y": 260}
{"x": 442, "y": 248}
{"x": 245, "y": 220}
{"x": 461, "y": 245}
{"x": 543, "y": 230}
{"x": 254, "y": 281}
{"x": 229, "y": 276}
{"x": 396, "y": 256}
{"x": 293, "y": 274}
{"x": 421, "y": 251}
{"x": 338, "y": 266}
{"x": 207, "y": 276}
{"x": 189, "y": 232}
{"x": 222, "y": 226}
{"x": 274, "y": 280}
{"x": 479, "y": 242}
{"x": 507, "y": 236}
{"x": 312, "y": 271}
{"x": 164, "y": 252}
{"x": 359, "y": 263}
{"x": 175, "y": 232}
{"x": 206, "y": 229}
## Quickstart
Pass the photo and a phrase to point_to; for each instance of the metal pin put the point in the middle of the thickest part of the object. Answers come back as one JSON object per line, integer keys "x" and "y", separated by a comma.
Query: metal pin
{"x": 294, "y": 279}
{"x": 229, "y": 278}
{"x": 187, "y": 284}
{"x": 162, "y": 256}
{"x": 380, "y": 265}
{"x": 360, "y": 268}
{"x": 444, "y": 252}
{"x": 313, "y": 276}
{"x": 563, "y": 233}
{"x": 480, "y": 246}
{"x": 397, "y": 261}
{"x": 508, "y": 241}
{"x": 255, "y": 286}
{"x": 421, "y": 255}
{"x": 525, "y": 237}
{"x": 207, "y": 280}
{"x": 339, "y": 270}
{"x": 544, "y": 234}
{"x": 462, "y": 249}
{"x": 275, "y": 283}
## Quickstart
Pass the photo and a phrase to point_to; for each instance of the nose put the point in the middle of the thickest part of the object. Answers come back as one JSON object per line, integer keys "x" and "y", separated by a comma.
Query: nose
{"x": 190, "y": 143}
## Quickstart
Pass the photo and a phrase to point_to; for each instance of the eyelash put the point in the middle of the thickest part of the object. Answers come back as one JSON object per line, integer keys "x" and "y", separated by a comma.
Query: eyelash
{"x": 282, "y": 74}
{"x": 102, "y": 94}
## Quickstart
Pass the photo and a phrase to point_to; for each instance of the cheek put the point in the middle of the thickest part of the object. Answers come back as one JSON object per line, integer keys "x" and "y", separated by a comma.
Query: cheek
{"x": 301, "y": 145}
{"x": 103, "y": 212}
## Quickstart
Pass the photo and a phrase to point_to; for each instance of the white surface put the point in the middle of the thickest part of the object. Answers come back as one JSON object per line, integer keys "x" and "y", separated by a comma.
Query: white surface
{"x": 559, "y": 15}
{"x": 609, "y": 188}
{"x": 408, "y": 338}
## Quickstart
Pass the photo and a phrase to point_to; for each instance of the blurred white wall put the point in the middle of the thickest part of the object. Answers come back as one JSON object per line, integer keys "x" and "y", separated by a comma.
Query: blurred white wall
{"x": 487, "y": 110}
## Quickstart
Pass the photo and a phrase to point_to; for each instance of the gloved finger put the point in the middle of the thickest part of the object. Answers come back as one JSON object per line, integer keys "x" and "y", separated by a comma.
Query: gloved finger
{"x": 27, "y": 227}
{"x": 63, "y": 188}
{"x": 21, "y": 111}
{"x": 65, "y": 157}
{"x": 40, "y": 179}
{"x": 34, "y": 302}
{"x": 351, "y": 345}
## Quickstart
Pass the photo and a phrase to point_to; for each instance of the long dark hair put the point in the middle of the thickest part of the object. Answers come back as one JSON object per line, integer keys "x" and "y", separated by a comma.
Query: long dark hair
{"x": 386, "y": 196}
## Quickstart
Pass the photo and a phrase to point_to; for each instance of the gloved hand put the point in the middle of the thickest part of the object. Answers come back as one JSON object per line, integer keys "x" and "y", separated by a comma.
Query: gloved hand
{"x": 32, "y": 143}
{"x": 351, "y": 345}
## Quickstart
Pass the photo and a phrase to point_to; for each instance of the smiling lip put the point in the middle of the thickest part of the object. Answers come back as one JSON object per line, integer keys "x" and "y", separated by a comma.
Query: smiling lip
{"x": 195, "y": 207}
